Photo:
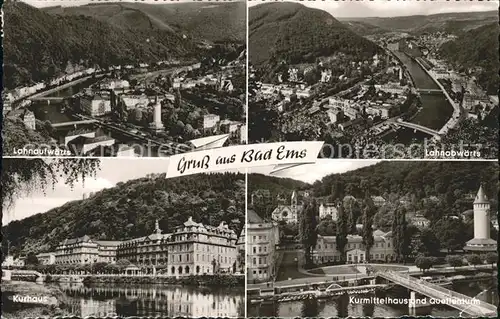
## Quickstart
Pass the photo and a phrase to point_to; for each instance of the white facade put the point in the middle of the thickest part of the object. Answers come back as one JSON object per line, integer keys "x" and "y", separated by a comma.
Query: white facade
{"x": 328, "y": 209}
{"x": 46, "y": 258}
{"x": 95, "y": 106}
{"x": 210, "y": 121}
{"x": 262, "y": 238}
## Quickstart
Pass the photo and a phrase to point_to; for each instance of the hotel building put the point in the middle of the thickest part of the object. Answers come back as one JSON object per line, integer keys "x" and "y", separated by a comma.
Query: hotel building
{"x": 84, "y": 250}
{"x": 197, "y": 249}
{"x": 262, "y": 238}
{"x": 150, "y": 250}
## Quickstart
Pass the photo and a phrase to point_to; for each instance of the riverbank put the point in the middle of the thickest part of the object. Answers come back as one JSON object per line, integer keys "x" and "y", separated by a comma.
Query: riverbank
{"x": 54, "y": 300}
{"x": 192, "y": 281}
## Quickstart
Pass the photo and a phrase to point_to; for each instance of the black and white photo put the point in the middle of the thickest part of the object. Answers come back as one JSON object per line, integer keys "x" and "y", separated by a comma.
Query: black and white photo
{"x": 127, "y": 78}
{"x": 366, "y": 238}
{"x": 116, "y": 237}
{"x": 376, "y": 79}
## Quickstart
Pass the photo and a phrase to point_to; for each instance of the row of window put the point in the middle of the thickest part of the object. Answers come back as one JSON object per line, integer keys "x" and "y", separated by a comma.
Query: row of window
{"x": 355, "y": 245}
{"x": 260, "y": 249}
{"x": 261, "y": 260}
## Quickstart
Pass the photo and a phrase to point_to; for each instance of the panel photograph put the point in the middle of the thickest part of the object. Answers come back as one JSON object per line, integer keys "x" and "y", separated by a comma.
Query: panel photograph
{"x": 107, "y": 241}
{"x": 367, "y": 238}
{"x": 127, "y": 78}
{"x": 376, "y": 79}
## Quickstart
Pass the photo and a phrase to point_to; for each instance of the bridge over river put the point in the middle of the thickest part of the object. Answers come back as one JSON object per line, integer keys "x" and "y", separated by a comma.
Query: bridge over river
{"x": 464, "y": 303}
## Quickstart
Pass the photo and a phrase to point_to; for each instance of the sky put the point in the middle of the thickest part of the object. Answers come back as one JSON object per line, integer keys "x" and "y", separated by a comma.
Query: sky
{"x": 310, "y": 173}
{"x": 391, "y": 8}
{"x": 110, "y": 174}
{"x": 338, "y": 9}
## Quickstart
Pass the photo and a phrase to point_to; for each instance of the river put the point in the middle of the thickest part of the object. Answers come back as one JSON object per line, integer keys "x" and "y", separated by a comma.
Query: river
{"x": 342, "y": 307}
{"x": 126, "y": 300}
{"x": 52, "y": 112}
{"x": 436, "y": 108}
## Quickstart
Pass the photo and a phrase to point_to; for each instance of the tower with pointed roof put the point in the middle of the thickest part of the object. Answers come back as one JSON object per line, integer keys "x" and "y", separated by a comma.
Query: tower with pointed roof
{"x": 157, "y": 227}
{"x": 481, "y": 240}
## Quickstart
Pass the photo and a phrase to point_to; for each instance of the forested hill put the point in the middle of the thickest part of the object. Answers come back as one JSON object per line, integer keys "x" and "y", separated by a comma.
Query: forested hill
{"x": 421, "y": 179}
{"x": 293, "y": 33}
{"x": 213, "y": 21}
{"x": 275, "y": 185}
{"x": 477, "y": 48}
{"x": 38, "y": 45}
{"x": 454, "y": 22}
{"x": 129, "y": 210}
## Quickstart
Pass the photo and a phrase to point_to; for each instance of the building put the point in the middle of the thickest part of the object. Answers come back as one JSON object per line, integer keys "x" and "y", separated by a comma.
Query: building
{"x": 134, "y": 101}
{"x": 243, "y": 134}
{"x": 226, "y": 85}
{"x": 419, "y": 221}
{"x": 230, "y": 127}
{"x": 326, "y": 248}
{"x": 82, "y": 250}
{"x": 26, "y": 116}
{"x": 210, "y": 121}
{"x": 335, "y": 115}
{"x": 482, "y": 241}
{"x": 112, "y": 84}
{"x": 328, "y": 209}
{"x": 197, "y": 249}
{"x": 262, "y": 238}
{"x": 345, "y": 125}
{"x": 326, "y": 75}
{"x": 95, "y": 105}
{"x": 157, "y": 125}
{"x": 288, "y": 213}
{"x": 8, "y": 261}
{"x": 106, "y": 251}
{"x": 151, "y": 250}
{"x": 83, "y": 145}
{"x": 46, "y": 258}
{"x": 378, "y": 201}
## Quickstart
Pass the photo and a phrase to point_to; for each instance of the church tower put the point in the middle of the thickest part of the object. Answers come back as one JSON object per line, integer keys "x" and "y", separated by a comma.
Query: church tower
{"x": 294, "y": 199}
{"x": 481, "y": 241}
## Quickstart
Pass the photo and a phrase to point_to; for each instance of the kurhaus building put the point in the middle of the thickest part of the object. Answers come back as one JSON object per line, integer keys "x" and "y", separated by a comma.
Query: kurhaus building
{"x": 192, "y": 249}
{"x": 197, "y": 249}
{"x": 84, "y": 250}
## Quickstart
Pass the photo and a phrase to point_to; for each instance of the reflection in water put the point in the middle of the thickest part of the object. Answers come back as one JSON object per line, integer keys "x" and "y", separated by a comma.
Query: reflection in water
{"x": 126, "y": 300}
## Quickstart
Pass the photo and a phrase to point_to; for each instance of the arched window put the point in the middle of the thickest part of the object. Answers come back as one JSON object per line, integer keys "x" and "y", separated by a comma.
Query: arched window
{"x": 180, "y": 270}
{"x": 173, "y": 270}
{"x": 187, "y": 270}
{"x": 197, "y": 269}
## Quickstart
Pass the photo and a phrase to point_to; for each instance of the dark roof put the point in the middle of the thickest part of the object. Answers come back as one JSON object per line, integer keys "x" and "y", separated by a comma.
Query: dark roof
{"x": 71, "y": 241}
{"x": 253, "y": 218}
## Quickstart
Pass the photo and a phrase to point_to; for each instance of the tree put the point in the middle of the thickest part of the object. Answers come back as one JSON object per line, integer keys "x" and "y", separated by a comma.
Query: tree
{"x": 454, "y": 261}
{"x": 31, "y": 259}
{"x": 177, "y": 98}
{"x": 20, "y": 177}
{"x": 368, "y": 238}
{"x": 450, "y": 233}
{"x": 308, "y": 229}
{"x": 341, "y": 238}
{"x": 429, "y": 243}
{"x": 424, "y": 263}
{"x": 491, "y": 258}
{"x": 474, "y": 259}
